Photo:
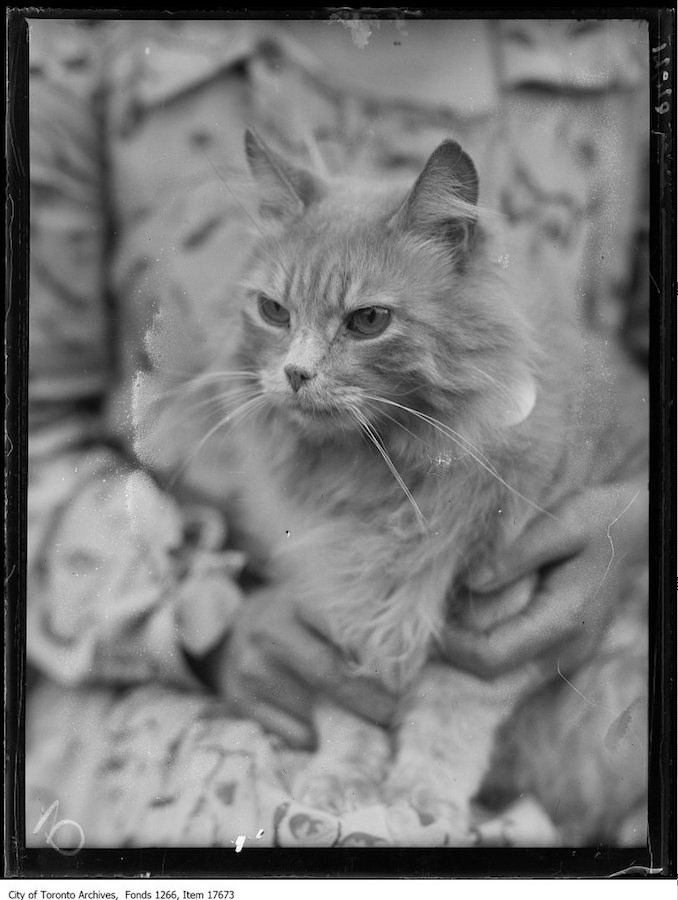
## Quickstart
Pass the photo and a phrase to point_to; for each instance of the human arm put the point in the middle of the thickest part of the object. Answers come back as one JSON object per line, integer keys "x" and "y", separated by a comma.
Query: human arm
{"x": 578, "y": 551}
{"x": 276, "y": 660}
{"x": 112, "y": 571}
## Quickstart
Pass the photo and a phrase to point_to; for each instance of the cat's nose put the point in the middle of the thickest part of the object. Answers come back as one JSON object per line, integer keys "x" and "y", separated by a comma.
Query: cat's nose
{"x": 297, "y": 376}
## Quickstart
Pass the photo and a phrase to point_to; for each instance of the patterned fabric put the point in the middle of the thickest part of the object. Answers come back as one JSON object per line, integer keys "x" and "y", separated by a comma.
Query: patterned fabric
{"x": 575, "y": 104}
{"x": 160, "y": 768}
{"x": 139, "y": 228}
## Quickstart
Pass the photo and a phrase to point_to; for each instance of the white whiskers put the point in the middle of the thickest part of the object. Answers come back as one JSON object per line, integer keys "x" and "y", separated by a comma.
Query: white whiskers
{"x": 466, "y": 445}
{"x": 249, "y": 406}
{"x": 196, "y": 382}
{"x": 375, "y": 438}
{"x": 400, "y": 425}
{"x": 220, "y": 400}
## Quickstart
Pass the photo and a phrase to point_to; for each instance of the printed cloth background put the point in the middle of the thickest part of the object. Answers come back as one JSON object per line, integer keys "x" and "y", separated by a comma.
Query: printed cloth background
{"x": 137, "y": 230}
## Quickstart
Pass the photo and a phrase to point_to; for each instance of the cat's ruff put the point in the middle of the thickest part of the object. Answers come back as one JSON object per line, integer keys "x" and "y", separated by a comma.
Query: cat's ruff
{"x": 413, "y": 393}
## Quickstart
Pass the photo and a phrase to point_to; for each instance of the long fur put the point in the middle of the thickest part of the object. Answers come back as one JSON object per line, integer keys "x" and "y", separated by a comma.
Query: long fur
{"x": 461, "y": 338}
{"x": 410, "y": 458}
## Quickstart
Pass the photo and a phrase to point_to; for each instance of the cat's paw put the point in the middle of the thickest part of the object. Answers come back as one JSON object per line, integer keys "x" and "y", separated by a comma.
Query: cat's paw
{"x": 523, "y": 824}
{"x": 419, "y": 815}
{"x": 410, "y": 826}
{"x": 334, "y": 792}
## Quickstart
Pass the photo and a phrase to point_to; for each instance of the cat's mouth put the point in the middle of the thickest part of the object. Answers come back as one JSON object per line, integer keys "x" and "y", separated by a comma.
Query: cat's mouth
{"x": 314, "y": 407}
{"x": 316, "y": 412}
{"x": 324, "y": 415}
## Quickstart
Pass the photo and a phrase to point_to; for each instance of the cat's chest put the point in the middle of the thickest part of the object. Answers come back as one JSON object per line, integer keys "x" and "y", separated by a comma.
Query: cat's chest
{"x": 288, "y": 497}
{"x": 339, "y": 502}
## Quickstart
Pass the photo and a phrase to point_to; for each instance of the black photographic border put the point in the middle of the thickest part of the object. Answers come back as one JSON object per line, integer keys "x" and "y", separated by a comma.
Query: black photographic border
{"x": 655, "y": 860}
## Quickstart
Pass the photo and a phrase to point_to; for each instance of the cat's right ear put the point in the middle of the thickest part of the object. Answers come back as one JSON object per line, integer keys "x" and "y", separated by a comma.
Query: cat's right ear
{"x": 443, "y": 202}
{"x": 285, "y": 190}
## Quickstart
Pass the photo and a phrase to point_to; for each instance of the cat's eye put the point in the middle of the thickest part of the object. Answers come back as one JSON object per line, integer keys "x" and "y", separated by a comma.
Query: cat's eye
{"x": 272, "y": 312}
{"x": 368, "y": 322}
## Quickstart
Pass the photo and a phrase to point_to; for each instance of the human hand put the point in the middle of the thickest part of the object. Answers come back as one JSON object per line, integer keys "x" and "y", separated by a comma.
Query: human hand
{"x": 276, "y": 661}
{"x": 577, "y": 553}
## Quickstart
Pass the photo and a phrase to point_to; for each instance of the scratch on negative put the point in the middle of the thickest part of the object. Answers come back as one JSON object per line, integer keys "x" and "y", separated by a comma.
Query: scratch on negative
{"x": 638, "y": 870}
{"x": 609, "y": 537}
{"x": 605, "y": 574}
{"x": 577, "y": 691}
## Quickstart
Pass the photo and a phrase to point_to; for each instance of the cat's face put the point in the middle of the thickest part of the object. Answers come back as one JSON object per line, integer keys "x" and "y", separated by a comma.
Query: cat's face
{"x": 355, "y": 308}
{"x": 337, "y": 317}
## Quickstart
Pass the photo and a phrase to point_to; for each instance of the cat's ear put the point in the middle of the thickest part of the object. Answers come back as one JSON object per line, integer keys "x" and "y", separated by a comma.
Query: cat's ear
{"x": 443, "y": 202}
{"x": 285, "y": 189}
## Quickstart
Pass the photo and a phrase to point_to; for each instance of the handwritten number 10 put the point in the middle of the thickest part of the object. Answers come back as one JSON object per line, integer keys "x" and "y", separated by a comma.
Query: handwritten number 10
{"x": 55, "y": 826}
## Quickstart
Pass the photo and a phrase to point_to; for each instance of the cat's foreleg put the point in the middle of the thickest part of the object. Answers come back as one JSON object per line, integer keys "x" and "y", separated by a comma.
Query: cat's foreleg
{"x": 349, "y": 764}
{"x": 447, "y": 725}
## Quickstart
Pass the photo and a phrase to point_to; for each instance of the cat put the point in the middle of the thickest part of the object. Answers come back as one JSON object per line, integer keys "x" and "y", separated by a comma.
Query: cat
{"x": 411, "y": 396}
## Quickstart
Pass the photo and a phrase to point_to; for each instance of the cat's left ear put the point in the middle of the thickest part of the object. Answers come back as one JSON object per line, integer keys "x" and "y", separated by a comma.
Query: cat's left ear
{"x": 285, "y": 189}
{"x": 443, "y": 202}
